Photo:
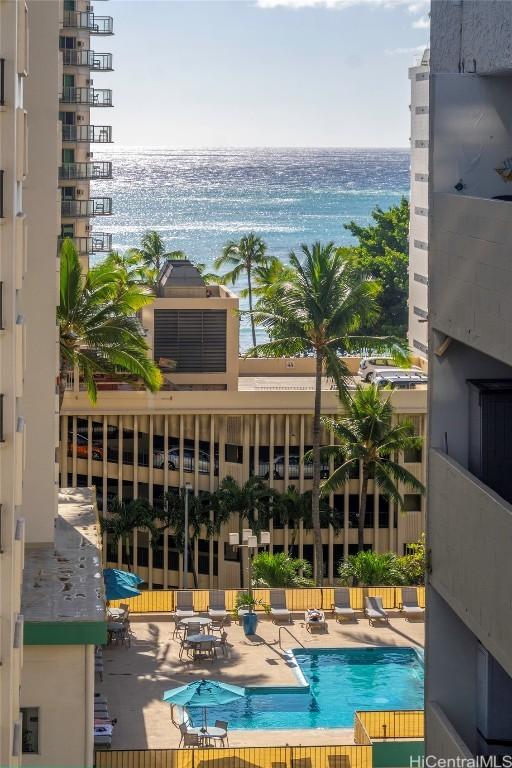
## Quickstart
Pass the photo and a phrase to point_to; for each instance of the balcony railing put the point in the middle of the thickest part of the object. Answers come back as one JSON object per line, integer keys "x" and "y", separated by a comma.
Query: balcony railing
{"x": 98, "y": 170}
{"x": 98, "y": 62}
{"x": 89, "y": 134}
{"x": 97, "y": 25}
{"x": 94, "y": 206}
{"x": 94, "y": 97}
{"x": 98, "y": 242}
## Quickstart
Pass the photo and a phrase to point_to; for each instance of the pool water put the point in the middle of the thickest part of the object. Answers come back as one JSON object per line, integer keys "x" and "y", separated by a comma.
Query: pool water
{"x": 340, "y": 681}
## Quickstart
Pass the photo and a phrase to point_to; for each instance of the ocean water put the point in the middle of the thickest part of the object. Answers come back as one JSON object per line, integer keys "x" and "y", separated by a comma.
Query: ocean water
{"x": 341, "y": 681}
{"x": 199, "y": 199}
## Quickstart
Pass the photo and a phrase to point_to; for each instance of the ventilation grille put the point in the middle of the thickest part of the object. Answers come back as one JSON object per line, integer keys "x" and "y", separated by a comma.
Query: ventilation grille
{"x": 194, "y": 339}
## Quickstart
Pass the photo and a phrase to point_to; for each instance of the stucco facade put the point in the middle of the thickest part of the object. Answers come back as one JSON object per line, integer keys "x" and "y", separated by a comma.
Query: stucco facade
{"x": 469, "y": 614}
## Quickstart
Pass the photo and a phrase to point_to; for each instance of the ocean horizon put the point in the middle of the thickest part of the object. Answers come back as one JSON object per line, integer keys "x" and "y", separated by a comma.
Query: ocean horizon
{"x": 198, "y": 199}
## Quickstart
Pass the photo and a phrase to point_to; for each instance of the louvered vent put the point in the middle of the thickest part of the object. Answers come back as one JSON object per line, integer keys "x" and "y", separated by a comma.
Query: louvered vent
{"x": 194, "y": 339}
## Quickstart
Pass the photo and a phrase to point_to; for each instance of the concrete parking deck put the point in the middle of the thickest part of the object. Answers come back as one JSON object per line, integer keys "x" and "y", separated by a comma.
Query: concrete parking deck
{"x": 135, "y": 678}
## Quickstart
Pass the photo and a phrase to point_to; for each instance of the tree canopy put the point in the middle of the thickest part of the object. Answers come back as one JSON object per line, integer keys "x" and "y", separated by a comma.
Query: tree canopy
{"x": 382, "y": 253}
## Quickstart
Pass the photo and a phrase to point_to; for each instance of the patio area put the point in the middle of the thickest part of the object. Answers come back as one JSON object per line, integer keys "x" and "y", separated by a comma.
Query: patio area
{"x": 135, "y": 678}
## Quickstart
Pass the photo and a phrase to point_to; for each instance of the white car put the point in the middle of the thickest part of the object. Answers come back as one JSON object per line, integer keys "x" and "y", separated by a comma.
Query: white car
{"x": 388, "y": 371}
{"x": 403, "y": 379}
{"x": 173, "y": 460}
{"x": 369, "y": 364}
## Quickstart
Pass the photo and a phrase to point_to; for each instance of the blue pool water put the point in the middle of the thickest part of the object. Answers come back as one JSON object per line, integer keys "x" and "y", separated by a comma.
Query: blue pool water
{"x": 340, "y": 680}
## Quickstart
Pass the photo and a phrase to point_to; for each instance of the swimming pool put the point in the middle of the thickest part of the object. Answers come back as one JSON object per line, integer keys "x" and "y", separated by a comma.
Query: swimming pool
{"x": 339, "y": 681}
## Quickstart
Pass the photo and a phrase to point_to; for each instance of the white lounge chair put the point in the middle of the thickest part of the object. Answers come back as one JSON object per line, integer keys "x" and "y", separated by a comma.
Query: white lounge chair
{"x": 278, "y": 608}
{"x": 185, "y": 604}
{"x": 217, "y": 604}
{"x": 410, "y": 606}
{"x": 374, "y": 610}
{"x": 341, "y": 608}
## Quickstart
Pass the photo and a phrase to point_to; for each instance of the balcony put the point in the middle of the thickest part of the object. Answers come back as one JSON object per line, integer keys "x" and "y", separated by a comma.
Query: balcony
{"x": 96, "y": 62}
{"x": 462, "y": 510}
{"x": 88, "y": 134}
{"x": 98, "y": 170}
{"x": 98, "y": 242}
{"x": 471, "y": 278}
{"x": 92, "y": 97}
{"x": 94, "y": 206}
{"x": 96, "y": 25}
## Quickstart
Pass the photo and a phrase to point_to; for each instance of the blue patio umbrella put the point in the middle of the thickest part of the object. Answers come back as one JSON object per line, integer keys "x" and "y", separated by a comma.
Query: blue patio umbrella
{"x": 120, "y": 584}
{"x": 204, "y": 693}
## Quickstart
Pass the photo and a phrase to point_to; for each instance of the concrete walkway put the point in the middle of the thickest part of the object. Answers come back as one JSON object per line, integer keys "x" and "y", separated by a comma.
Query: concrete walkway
{"x": 135, "y": 678}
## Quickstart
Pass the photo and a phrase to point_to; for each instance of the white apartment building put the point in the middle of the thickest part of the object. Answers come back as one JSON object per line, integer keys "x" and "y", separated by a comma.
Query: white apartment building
{"x": 418, "y": 217}
{"x": 51, "y": 603}
{"x": 469, "y": 520}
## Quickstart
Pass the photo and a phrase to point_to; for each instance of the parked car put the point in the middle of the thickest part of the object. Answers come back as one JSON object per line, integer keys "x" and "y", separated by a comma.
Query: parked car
{"x": 293, "y": 468}
{"x": 401, "y": 380}
{"x": 173, "y": 459}
{"x": 388, "y": 371}
{"x": 82, "y": 448}
{"x": 369, "y": 364}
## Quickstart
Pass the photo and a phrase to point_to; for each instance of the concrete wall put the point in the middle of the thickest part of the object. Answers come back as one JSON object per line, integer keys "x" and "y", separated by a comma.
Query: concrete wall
{"x": 41, "y": 280}
{"x": 470, "y": 571}
{"x": 58, "y": 680}
{"x": 442, "y": 739}
{"x": 471, "y": 36}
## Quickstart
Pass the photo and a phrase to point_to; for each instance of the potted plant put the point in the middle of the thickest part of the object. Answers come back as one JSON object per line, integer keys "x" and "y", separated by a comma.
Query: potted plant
{"x": 245, "y": 608}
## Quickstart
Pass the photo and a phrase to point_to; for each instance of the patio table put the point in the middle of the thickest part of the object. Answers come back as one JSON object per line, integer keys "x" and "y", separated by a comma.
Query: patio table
{"x": 196, "y": 620}
{"x": 198, "y": 641}
{"x": 211, "y": 732}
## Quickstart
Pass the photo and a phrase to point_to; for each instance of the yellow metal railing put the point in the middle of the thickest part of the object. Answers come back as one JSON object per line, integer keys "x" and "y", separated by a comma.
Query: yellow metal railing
{"x": 349, "y": 756}
{"x": 163, "y": 601}
{"x": 389, "y": 724}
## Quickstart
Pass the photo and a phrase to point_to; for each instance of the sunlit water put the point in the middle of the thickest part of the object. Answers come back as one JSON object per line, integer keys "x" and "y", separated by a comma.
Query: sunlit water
{"x": 199, "y": 199}
{"x": 341, "y": 681}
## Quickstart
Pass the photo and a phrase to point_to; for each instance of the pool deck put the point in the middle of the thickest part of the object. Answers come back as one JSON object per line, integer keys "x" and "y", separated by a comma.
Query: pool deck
{"x": 135, "y": 678}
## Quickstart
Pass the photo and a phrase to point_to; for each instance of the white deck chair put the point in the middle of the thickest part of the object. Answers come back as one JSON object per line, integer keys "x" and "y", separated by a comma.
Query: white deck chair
{"x": 374, "y": 610}
{"x": 217, "y": 604}
{"x": 278, "y": 608}
{"x": 410, "y": 606}
{"x": 341, "y": 608}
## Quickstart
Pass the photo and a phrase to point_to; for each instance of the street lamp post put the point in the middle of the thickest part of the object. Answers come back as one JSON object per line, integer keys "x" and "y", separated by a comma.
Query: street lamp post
{"x": 188, "y": 487}
{"x": 250, "y": 543}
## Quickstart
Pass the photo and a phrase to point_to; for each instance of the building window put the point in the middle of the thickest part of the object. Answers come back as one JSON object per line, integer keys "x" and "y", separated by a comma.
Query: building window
{"x": 420, "y": 313}
{"x": 353, "y": 548}
{"x": 412, "y": 455}
{"x": 231, "y": 553}
{"x": 412, "y": 502}
{"x": 421, "y": 279}
{"x": 30, "y": 730}
{"x": 422, "y": 347}
{"x": 203, "y": 560}
{"x": 234, "y": 454}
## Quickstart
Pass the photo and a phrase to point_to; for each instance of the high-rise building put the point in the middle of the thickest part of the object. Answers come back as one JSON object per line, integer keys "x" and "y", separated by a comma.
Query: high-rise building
{"x": 52, "y": 610}
{"x": 469, "y": 521}
{"x": 418, "y": 218}
{"x": 82, "y": 32}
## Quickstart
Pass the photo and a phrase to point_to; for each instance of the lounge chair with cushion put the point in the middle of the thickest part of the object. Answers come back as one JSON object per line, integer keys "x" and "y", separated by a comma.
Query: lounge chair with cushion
{"x": 278, "y": 608}
{"x": 374, "y": 610}
{"x": 341, "y": 608}
{"x": 185, "y": 604}
{"x": 410, "y": 606}
{"x": 217, "y": 604}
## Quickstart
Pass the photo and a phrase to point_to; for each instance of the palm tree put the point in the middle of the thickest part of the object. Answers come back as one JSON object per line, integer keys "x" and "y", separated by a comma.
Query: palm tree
{"x": 152, "y": 250}
{"x": 251, "y": 501}
{"x": 280, "y": 570}
{"x": 124, "y": 518}
{"x": 368, "y": 438}
{"x": 99, "y": 332}
{"x": 243, "y": 256}
{"x": 317, "y": 310}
